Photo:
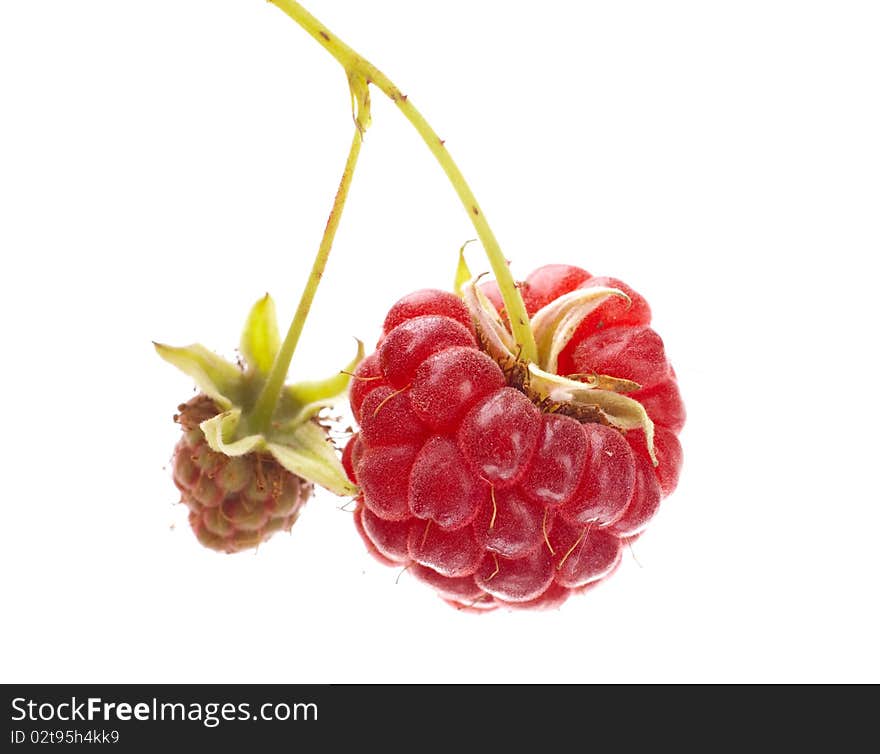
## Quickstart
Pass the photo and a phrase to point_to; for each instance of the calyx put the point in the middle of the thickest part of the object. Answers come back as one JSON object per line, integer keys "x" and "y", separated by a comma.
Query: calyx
{"x": 294, "y": 437}
{"x": 590, "y": 398}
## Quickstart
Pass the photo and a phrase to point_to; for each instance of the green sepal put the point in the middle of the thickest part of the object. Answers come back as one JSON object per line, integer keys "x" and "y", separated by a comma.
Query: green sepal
{"x": 220, "y": 432}
{"x": 215, "y": 377}
{"x": 295, "y": 440}
{"x": 307, "y": 452}
{"x": 260, "y": 340}
{"x": 304, "y": 450}
{"x": 305, "y": 393}
{"x": 462, "y": 271}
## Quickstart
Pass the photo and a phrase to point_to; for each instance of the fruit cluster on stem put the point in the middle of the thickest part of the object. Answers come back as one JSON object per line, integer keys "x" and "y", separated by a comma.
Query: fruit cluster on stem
{"x": 513, "y": 438}
{"x": 358, "y": 66}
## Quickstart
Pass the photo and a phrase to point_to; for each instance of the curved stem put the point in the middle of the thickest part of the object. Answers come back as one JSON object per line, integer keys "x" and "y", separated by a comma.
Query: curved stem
{"x": 352, "y": 62}
{"x": 261, "y": 415}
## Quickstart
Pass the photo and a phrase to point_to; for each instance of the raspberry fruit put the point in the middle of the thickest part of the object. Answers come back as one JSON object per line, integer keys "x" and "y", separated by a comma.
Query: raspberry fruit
{"x": 501, "y": 483}
{"x": 243, "y": 482}
{"x": 238, "y": 502}
{"x": 512, "y": 437}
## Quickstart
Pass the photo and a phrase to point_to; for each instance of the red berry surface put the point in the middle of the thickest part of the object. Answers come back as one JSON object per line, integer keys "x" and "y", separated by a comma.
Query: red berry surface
{"x": 351, "y": 454}
{"x": 448, "y": 382}
{"x": 441, "y": 489}
{"x": 663, "y": 404}
{"x": 498, "y": 436}
{"x": 586, "y": 554}
{"x": 427, "y": 301}
{"x": 633, "y": 353}
{"x": 383, "y": 474}
{"x": 549, "y": 282}
{"x": 518, "y": 580}
{"x": 387, "y": 418}
{"x": 367, "y": 377}
{"x": 542, "y": 286}
{"x": 491, "y": 291}
{"x": 389, "y": 538}
{"x": 414, "y": 340}
{"x": 512, "y": 525}
{"x": 607, "y": 482}
{"x": 474, "y": 490}
{"x": 558, "y": 464}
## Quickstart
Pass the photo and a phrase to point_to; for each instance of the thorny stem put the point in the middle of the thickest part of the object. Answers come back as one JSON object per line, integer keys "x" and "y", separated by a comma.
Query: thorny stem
{"x": 261, "y": 415}
{"x": 353, "y": 63}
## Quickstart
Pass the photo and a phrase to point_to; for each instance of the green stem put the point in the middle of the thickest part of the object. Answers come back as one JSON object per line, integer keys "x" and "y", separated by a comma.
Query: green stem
{"x": 353, "y": 63}
{"x": 261, "y": 415}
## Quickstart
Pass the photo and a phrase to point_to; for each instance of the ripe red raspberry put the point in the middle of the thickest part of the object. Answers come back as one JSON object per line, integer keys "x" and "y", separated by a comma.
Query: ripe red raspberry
{"x": 488, "y": 490}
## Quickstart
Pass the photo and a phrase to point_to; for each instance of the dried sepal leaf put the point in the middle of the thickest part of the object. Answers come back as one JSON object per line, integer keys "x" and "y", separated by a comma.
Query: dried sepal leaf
{"x": 605, "y": 382}
{"x": 493, "y": 334}
{"x": 556, "y": 323}
{"x": 618, "y": 410}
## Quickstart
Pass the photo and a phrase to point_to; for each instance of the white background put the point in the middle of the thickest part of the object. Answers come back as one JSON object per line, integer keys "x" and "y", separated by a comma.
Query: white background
{"x": 163, "y": 165}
